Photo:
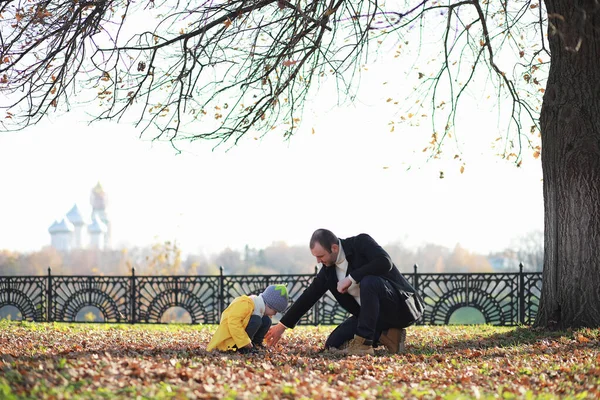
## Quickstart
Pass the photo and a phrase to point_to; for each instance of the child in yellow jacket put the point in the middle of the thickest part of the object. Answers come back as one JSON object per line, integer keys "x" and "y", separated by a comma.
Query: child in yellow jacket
{"x": 246, "y": 321}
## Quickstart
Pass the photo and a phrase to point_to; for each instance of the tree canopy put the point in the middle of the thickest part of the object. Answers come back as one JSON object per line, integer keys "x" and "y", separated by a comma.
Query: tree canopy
{"x": 220, "y": 69}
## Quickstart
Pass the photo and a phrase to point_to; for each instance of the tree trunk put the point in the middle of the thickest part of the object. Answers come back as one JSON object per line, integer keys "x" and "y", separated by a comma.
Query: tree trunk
{"x": 570, "y": 124}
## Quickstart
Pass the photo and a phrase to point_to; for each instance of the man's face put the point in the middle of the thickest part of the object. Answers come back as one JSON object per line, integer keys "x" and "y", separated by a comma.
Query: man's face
{"x": 323, "y": 256}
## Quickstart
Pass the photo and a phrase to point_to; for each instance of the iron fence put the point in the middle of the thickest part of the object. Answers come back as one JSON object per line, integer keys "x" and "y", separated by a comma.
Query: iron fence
{"x": 497, "y": 298}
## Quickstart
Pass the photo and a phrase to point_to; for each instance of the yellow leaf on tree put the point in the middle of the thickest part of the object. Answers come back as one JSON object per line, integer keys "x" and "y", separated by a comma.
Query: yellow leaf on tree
{"x": 462, "y": 169}
{"x": 227, "y": 23}
{"x": 536, "y": 154}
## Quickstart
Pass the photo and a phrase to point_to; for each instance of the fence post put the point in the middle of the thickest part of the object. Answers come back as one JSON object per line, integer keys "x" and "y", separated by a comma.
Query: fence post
{"x": 221, "y": 289}
{"x": 416, "y": 278}
{"x": 521, "y": 294}
{"x": 49, "y": 296}
{"x": 317, "y": 304}
{"x": 132, "y": 299}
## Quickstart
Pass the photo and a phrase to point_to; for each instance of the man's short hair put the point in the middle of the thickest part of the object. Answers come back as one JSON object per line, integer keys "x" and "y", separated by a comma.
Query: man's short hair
{"x": 325, "y": 238}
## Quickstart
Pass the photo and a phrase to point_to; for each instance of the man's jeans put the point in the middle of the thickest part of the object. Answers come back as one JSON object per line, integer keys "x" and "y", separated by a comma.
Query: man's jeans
{"x": 379, "y": 310}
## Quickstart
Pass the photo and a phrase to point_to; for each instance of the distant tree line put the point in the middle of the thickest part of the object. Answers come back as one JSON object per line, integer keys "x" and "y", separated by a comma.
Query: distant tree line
{"x": 279, "y": 258}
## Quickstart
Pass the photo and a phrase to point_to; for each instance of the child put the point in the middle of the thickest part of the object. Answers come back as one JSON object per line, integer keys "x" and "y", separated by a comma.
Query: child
{"x": 246, "y": 321}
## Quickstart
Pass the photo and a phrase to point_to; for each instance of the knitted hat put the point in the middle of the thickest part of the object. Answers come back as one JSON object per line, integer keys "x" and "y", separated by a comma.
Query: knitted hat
{"x": 276, "y": 297}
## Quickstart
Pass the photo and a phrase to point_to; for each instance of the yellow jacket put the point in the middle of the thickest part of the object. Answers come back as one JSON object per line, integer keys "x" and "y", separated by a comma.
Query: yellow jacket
{"x": 232, "y": 328}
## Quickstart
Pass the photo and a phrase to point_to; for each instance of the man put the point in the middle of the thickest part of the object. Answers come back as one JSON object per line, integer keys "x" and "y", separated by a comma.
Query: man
{"x": 363, "y": 279}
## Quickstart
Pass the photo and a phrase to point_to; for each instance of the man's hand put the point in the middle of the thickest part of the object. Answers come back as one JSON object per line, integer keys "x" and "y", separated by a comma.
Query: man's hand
{"x": 274, "y": 334}
{"x": 344, "y": 284}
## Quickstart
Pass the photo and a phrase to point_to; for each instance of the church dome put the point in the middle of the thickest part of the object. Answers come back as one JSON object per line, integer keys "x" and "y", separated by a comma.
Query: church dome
{"x": 62, "y": 226}
{"x": 75, "y": 217}
{"x": 97, "y": 226}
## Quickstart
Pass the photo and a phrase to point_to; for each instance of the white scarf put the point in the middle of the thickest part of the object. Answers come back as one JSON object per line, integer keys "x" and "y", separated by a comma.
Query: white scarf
{"x": 341, "y": 266}
{"x": 259, "y": 305}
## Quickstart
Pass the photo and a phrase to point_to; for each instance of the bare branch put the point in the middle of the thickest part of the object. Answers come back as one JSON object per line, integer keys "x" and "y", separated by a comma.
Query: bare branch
{"x": 219, "y": 70}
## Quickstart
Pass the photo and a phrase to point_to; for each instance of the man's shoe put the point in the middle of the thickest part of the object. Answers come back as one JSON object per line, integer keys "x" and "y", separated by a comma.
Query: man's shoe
{"x": 393, "y": 339}
{"x": 359, "y": 346}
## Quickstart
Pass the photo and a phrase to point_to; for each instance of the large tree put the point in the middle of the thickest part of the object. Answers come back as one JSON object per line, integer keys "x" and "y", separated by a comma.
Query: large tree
{"x": 187, "y": 70}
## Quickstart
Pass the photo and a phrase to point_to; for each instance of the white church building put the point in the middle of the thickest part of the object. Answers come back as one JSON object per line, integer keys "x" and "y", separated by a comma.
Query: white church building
{"x": 74, "y": 231}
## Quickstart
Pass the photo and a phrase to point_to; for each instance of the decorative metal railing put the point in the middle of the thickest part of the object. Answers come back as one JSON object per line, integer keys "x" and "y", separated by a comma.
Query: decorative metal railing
{"x": 498, "y": 298}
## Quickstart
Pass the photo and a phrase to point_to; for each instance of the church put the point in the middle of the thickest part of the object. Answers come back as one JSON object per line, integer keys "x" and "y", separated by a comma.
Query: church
{"x": 74, "y": 231}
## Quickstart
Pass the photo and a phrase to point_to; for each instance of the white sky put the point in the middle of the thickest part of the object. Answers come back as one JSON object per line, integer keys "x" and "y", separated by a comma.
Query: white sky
{"x": 262, "y": 191}
{"x": 350, "y": 176}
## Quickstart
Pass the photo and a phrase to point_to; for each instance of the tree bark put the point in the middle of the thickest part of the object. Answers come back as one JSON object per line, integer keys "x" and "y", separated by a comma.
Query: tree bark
{"x": 570, "y": 125}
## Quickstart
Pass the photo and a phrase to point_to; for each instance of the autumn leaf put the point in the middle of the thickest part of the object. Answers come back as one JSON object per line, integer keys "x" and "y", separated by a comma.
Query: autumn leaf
{"x": 289, "y": 63}
{"x": 227, "y": 23}
{"x": 581, "y": 339}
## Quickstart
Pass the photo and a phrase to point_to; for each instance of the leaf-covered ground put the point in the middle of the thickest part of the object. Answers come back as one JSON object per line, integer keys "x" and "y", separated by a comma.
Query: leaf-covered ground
{"x": 39, "y": 360}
